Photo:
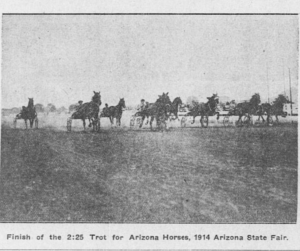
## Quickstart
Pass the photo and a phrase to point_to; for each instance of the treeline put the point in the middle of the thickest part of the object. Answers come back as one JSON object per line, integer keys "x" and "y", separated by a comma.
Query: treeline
{"x": 49, "y": 108}
{"x": 40, "y": 108}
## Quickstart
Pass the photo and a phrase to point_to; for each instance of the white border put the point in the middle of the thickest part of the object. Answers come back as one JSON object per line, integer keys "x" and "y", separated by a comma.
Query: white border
{"x": 173, "y": 6}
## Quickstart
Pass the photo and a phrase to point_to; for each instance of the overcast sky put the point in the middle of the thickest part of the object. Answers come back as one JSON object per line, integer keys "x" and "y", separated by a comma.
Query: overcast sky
{"x": 63, "y": 59}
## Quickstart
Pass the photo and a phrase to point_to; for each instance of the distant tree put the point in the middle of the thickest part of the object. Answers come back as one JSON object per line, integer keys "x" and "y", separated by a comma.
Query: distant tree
{"x": 39, "y": 108}
{"x": 51, "y": 108}
{"x": 72, "y": 108}
{"x": 6, "y": 112}
{"x": 15, "y": 110}
{"x": 192, "y": 101}
{"x": 129, "y": 107}
{"x": 61, "y": 109}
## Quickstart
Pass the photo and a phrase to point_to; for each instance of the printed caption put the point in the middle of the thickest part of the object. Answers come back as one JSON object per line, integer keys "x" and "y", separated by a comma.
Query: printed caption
{"x": 132, "y": 237}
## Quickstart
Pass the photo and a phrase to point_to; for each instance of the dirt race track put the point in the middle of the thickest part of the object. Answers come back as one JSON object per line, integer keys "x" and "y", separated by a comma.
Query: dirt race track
{"x": 189, "y": 175}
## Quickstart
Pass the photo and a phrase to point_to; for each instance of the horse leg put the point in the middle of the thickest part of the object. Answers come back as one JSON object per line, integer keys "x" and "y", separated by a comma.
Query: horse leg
{"x": 147, "y": 119}
{"x": 111, "y": 121}
{"x": 25, "y": 123}
{"x": 240, "y": 117}
{"x": 151, "y": 120}
{"x": 260, "y": 116}
{"x": 141, "y": 124}
{"x": 268, "y": 118}
{"x": 167, "y": 123}
{"x": 83, "y": 124}
{"x": 193, "y": 120}
{"x": 201, "y": 120}
{"x": 90, "y": 122}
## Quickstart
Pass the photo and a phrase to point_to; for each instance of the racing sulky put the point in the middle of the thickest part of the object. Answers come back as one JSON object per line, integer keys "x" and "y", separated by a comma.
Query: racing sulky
{"x": 90, "y": 111}
{"x": 28, "y": 113}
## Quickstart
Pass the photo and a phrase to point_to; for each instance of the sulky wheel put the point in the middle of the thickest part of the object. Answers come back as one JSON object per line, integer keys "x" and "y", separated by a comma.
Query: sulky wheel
{"x": 139, "y": 121}
{"x": 15, "y": 123}
{"x": 226, "y": 121}
{"x": 69, "y": 124}
{"x": 270, "y": 121}
{"x": 204, "y": 121}
{"x": 132, "y": 121}
{"x": 183, "y": 121}
{"x": 36, "y": 123}
{"x": 97, "y": 127}
{"x": 162, "y": 125}
{"x": 246, "y": 120}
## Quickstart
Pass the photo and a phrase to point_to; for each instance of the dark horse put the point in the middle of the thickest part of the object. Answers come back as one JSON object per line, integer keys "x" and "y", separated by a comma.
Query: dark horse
{"x": 205, "y": 109}
{"x": 160, "y": 110}
{"x": 249, "y": 108}
{"x": 276, "y": 108}
{"x": 174, "y": 107}
{"x": 89, "y": 111}
{"x": 28, "y": 113}
{"x": 115, "y": 112}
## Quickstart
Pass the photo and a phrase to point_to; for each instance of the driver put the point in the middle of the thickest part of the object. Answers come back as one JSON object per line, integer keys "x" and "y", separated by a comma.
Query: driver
{"x": 105, "y": 109}
{"x": 79, "y": 105}
{"x": 232, "y": 105}
{"x": 142, "y": 105}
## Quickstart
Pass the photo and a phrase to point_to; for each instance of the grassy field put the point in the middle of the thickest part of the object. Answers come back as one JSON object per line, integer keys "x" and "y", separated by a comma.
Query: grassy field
{"x": 190, "y": 175}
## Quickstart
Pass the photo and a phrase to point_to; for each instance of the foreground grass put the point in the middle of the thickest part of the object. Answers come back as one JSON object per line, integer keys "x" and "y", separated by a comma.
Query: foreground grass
{"x": 209, "y": 175}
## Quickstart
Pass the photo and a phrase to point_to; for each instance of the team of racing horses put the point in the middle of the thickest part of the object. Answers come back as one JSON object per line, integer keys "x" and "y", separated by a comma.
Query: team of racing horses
{"x": 162, "y": 110}
{"x": 253, "y": 107}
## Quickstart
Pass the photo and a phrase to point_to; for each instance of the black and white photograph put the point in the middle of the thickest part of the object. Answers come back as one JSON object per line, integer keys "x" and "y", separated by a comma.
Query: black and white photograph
{"x": 149, "y": 118}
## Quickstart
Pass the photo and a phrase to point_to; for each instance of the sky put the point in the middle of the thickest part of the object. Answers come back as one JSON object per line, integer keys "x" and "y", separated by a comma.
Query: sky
{"x": 61, "y": 59}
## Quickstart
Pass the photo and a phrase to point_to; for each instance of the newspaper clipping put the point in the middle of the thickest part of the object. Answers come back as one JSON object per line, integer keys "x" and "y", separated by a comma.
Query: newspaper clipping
{"x": 161, "y": 130}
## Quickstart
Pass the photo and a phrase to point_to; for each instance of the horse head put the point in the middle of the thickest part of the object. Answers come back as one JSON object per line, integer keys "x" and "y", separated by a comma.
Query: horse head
{"x": 122, "y": 103}
{"x": 213, "y": 101}
{"x": 177, "y": 101}
{"x": 97, "y": 98}
{"x": 30, "y": 102}
{"x": 166, "y": 98}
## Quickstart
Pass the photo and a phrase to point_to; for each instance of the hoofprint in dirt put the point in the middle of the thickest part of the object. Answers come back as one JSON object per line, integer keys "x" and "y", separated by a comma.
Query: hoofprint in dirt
{"x": 213, "y": 175}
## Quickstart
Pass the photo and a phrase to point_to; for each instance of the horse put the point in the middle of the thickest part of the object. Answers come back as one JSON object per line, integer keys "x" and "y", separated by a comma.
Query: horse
{"x": 115, "y": 112}
{"x": 159, "y": 110}
{"x": 28, "y": 113}
{"x": 205, "y": 109}
{"x": 276, "y": 108}
{"x": 174, "y": 107}
{"x": 248, "y": 108}
{"x": 90, "y": 111}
